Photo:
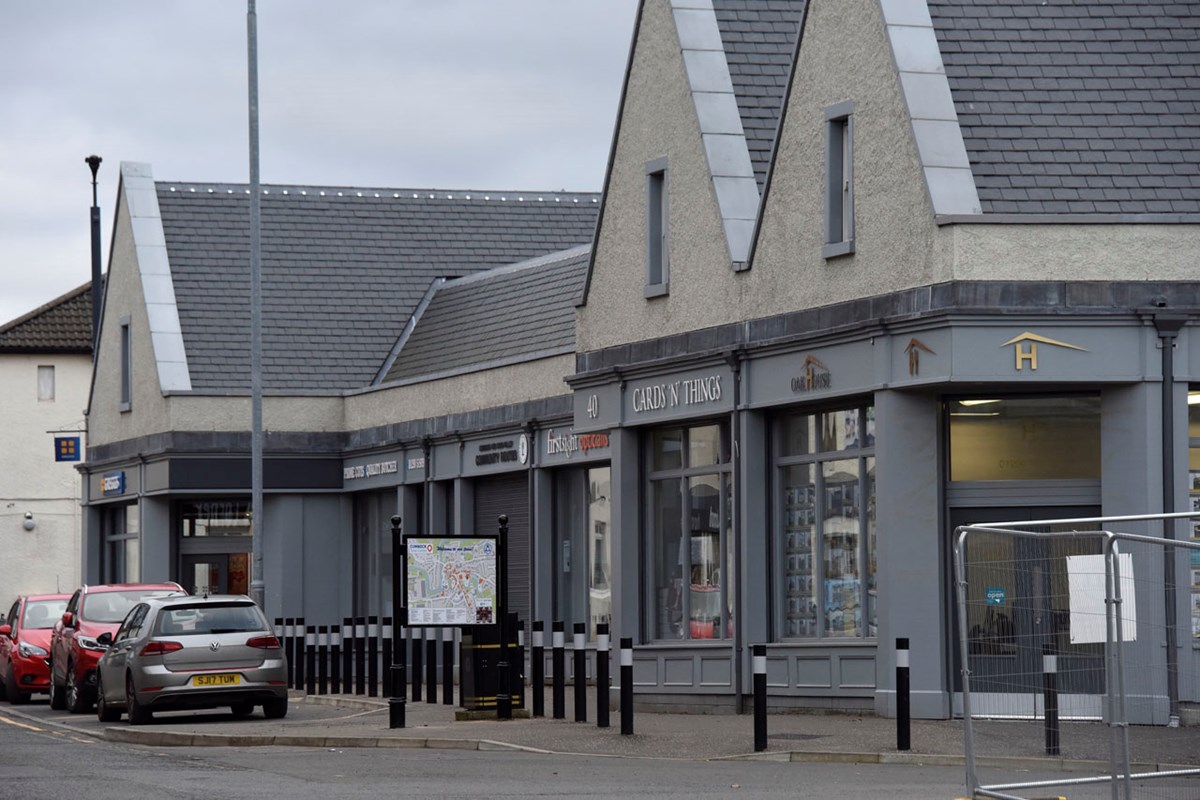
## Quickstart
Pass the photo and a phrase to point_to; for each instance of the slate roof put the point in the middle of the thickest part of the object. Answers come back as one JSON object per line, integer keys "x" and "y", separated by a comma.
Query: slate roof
{"x": 760, "y": 40}
{"x": 1077, "y": 106}
{"x": 342, "y": 269}
{"x": 500, "y": 316}
{"x": 64, "y": 325}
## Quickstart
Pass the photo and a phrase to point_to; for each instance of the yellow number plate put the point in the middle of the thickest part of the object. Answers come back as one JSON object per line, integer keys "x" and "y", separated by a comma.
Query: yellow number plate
{"x": 221, "y": 679}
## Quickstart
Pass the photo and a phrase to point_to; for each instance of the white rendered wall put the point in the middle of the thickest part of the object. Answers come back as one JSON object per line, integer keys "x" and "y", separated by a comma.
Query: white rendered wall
{"x": 45, "y": 559}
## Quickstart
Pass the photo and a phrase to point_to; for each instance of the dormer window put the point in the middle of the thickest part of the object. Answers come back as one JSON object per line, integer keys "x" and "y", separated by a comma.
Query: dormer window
{"x": 839, "y": 180}
{"x": 657, "y": 229}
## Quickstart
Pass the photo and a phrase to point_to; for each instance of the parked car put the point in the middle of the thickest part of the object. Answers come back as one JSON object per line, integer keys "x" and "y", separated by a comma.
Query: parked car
{"x": 192, "y": 652}
{"x": 25, "y": 645}
{"x": 74, "y": 644}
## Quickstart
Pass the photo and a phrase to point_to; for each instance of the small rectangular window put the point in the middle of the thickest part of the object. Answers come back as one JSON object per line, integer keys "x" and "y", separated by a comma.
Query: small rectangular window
{"x": 126, "y": 367}
{"x": 839, "y": 180}
{"x": 45, "y": 383}
{"x": 657, "y": 229}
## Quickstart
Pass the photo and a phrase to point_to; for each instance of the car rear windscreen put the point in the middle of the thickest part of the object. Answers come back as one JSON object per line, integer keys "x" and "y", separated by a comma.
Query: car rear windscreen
{"x": 211, "y": 618}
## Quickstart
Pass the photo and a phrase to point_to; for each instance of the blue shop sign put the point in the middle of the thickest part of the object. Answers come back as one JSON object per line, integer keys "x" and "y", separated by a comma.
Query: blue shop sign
{"x": 66, "y": 448}
{"x": 995, "y": 596}
{"x": 113, "y": 483}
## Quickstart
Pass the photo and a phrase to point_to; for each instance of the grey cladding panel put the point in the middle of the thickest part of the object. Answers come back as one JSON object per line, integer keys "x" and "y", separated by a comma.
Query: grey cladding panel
{"x": 760, "y": 39}
{"x": 1076, "y": 106}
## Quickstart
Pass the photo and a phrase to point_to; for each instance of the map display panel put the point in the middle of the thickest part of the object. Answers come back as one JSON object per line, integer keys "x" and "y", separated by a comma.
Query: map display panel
{"x": 451, "y": 580}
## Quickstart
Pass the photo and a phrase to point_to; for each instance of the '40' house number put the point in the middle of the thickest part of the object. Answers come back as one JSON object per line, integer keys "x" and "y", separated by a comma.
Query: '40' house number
{"x": 593, "y": 406}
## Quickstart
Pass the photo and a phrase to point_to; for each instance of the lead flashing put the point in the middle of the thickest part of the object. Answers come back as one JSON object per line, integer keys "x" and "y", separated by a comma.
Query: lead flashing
{"x": 154, "y": 270}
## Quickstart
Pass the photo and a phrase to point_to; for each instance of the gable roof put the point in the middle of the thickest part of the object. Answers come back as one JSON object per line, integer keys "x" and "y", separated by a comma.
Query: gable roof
{"x": 759, "y": 37}
{"x": 1076, "y": 106}
{"x": 64, "y": 325}
{"x": 343, "y": 270}
{"x": 497, "y": 317}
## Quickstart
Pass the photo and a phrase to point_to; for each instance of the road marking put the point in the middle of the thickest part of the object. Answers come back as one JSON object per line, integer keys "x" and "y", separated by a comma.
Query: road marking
{"x": 21, "y": 724}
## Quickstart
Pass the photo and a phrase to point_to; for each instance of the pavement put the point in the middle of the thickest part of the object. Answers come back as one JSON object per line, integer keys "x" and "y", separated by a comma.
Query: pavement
{"x": 337, "y": 721}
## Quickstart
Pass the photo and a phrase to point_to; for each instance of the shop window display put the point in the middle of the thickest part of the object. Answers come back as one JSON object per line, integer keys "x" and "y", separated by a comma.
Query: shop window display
{"x": 690, "y": 533}
{"x": 826, "y": 523}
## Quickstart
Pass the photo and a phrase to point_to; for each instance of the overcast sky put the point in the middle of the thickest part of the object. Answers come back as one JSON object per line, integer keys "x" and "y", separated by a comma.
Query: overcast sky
{"x": 445, "y": 94}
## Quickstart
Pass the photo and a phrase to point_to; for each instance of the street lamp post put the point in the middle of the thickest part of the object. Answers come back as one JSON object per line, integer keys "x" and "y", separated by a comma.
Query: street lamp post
{"x": 396, "y": 701}
{"x": 94, "y": 163}
{"x": 504, "y": 690}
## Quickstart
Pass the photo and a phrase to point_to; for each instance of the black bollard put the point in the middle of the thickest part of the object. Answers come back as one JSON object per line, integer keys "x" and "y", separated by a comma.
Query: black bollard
{"x": 297, "y": 656}
{"x": 360, "y": 655}
{"x": 538, "y": 665}
{"x": 373, "y": 656}
{"x": 602, "y": 686}
{"x": 580, "y": 644}
{"x": 518, "y": 674}
{"x": 335, "y": 659}
{"x": 760, "y": 698}
{"x": 310, "y": 659}
{"x": 1050, "y": 696}
{"x": 322, "y": 659}
{"x": 289, "y": 650}
{"x": 447, "y": 666}
{"x": 903, "y": 709}
{"x": 626, "y": 686}
{"x": 418, "y": 662}
{"x": 504, "y": 705}
{"x": 431, "y": 682}
{"x": 558, "y": 668}
{"x": 385, "y": 654}
{"x": 347, "y": 655}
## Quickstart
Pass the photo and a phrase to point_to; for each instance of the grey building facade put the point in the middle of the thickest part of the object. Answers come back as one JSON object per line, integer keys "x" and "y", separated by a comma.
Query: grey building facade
{"x": 862, "y": 271}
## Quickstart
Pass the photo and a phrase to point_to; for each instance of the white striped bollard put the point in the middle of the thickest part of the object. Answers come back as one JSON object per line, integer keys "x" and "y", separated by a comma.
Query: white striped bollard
{"x": 626, "y": 686}
{"x": 903, "y": 709}
{"x": 1050, "y": 696}
{"x": 760, "y": 697}
{"x": 602, "y": 686}
{"x": 580, "y": 644}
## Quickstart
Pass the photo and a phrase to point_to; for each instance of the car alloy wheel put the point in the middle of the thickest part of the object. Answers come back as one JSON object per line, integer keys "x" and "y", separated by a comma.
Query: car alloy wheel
{"x": 77, "y": 700}
{"x": 138, "y": 714}
{"x": 103, "y": 712}
{"x": 58, "y": 699}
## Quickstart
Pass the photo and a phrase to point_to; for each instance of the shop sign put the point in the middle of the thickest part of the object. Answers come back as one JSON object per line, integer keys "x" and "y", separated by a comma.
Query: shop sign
{"x": 675, "y": 394}
{"x": 501, "y": 452}
{"x": 66, "y": 448}
{"x": 1025, "y": 348}
{"x": 415, "y": 463}
{"x": 814, "y": 376}
{"x": 113, "y": 483}
{"x": 565, "y": 444}
{"x": 369, "y": 470}
{"x": 995, "y": 596}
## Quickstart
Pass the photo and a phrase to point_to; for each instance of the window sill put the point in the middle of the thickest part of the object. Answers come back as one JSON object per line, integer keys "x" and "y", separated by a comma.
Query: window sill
{"x": 655, "y": 290}
{"x": 124, "y": 407}
{"x": 836, "y": 249}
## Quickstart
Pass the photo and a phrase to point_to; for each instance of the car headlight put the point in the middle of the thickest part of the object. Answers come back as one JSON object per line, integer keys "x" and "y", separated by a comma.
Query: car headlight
{"x": 88, "y": 643}
{"x": 29, "y": 650}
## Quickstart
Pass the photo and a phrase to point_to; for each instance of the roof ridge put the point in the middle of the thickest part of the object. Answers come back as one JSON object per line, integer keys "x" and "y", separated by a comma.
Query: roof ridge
{"x": 212, "y": 187}
{"x": 44, "y": 308}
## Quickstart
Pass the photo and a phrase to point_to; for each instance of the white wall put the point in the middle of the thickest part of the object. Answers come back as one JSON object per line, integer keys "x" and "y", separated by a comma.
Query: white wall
{"x": 47, "y": 558}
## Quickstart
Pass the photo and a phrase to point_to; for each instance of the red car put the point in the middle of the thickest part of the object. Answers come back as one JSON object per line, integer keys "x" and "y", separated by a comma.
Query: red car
{"x": 25, "y": 645}
{"x": 74, "y": 651}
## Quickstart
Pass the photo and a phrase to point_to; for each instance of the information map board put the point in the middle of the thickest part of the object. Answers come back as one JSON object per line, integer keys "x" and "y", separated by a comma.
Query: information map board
{"x": 451, "y": 580}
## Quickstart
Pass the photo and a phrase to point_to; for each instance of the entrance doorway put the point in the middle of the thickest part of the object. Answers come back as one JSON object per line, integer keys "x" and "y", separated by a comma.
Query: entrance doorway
{"x": 1018, "y": 602}
{"x": 216, "y": 573}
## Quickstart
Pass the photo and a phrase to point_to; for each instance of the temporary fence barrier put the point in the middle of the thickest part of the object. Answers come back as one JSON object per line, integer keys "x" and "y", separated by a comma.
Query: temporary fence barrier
{"x": 1064, "y": 622}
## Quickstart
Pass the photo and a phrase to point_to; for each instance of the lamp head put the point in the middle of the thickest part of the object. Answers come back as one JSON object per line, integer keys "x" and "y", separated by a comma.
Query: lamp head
{"x": 29, "y": 524}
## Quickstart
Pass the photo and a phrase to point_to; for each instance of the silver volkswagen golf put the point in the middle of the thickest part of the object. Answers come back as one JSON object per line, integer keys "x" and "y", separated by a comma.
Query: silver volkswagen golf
{"x": 191, "y": 652}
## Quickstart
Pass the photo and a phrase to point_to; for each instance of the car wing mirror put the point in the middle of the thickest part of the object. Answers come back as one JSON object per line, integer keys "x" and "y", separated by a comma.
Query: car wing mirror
{"x": 68, "y": 619}
{"x": 104, "y": 639}
{"x": 6, "y": 630}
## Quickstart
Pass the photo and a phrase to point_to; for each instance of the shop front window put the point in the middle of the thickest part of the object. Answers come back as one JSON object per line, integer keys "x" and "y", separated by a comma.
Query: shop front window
{"x": 583, "y": 557}
{"x": 690, "y": 533}
{"x": 215, "y": 518}
{"x": 1024, "y": 438}
{"x": 122, "y": 551}
{"x": 825, "y": 511}
{"x": 1193, "y": 556}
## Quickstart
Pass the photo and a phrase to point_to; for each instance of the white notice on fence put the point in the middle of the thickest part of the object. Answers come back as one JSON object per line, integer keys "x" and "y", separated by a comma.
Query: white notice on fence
{"x": 1086, "y": 582}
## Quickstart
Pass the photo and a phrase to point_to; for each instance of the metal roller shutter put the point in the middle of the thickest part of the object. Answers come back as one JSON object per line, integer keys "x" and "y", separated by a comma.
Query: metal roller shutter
{"x": 509, "y": 494}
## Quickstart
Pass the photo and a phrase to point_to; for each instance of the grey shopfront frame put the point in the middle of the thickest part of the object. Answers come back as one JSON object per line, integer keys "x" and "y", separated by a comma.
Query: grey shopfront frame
{"x": 905, "y": 372}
